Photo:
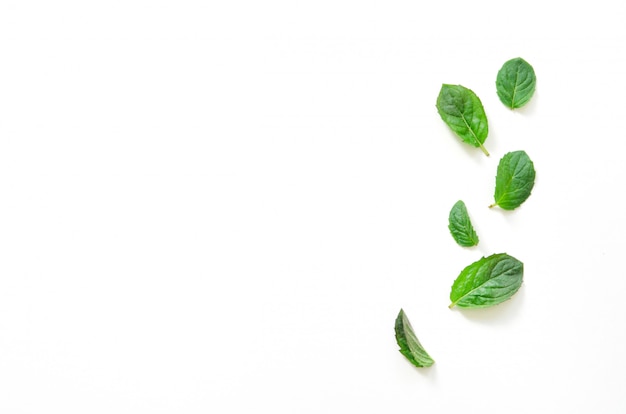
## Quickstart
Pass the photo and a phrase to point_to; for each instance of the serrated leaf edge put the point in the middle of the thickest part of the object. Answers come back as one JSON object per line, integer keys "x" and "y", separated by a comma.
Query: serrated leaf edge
{"x": 468, "y": 230}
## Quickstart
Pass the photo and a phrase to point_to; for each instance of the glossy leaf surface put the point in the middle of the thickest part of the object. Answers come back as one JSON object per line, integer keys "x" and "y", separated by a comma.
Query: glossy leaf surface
{"x": 487, "y": 282}
{"x": 463, "y": 112}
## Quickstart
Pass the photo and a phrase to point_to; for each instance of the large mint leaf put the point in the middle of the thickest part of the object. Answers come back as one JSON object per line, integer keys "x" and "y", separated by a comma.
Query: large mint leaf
{"x": 487, "y": 282}
{"x": 463, "y": 112}
{"x": 515, "y": 83}
{"x": 461, "y": 227}
{"x": 410, "y": 346}
{"x": 514, "y": 181}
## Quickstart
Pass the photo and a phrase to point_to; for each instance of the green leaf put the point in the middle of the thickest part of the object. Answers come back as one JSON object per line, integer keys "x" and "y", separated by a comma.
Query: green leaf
{"x": 410, "y": 346}
{"x": 514, "y": 181}
{"x": 515, "y": 83}
{"x": 487, "y": 282}
{"x": 463, "y": 112}
{"x": 461, "y": 227}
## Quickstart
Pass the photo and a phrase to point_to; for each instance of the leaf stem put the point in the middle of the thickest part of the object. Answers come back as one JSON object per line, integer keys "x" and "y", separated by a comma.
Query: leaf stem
{"x": 493, "y": 205}
{"x": 450, "y": 306}
{"x": 484, "y": 149}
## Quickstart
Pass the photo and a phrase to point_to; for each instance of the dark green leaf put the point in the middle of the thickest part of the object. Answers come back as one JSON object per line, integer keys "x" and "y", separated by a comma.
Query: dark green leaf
{"x": 514, "y": 181}
{"x": 515, "y": 83}
{"x": 410, "y": 347}
{"x": 487, "y": 282}
{"x": 463, "y": 112}
{"x": 461, "y": 227}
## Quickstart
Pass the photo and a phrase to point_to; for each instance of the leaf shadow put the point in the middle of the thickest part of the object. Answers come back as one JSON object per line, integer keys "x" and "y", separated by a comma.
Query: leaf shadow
{"x": 428, "y": 372}
{"x": 530, "y": 108}
{"x": 474, "y": 153}
{"x": 501, "y": 314}
{"x": 511, "y": 216}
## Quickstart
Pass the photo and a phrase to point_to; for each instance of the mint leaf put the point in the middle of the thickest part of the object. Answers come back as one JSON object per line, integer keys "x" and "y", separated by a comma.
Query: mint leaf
{"x": 514, "y": 181}
{"x": 515, "y": 83}
{"x": 461, "y": 227}
{"x": 487, "y": 282}
{"x": 463, "y": 112}
{"x": 410, "y": 346}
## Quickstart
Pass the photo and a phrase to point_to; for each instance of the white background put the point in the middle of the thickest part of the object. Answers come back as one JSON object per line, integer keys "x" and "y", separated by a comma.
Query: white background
{"x": 220, "y": 207}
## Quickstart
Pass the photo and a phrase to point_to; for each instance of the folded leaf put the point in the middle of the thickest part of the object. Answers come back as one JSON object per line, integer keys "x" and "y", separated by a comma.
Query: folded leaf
{"x": 515, "y": 83}
{"x": 461, "y": 227}
{"x": 487, "y": 282}
{"x": 514, "y": 181}
{"x": 410, "y": 346}
{"x": 463, "y": 112}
